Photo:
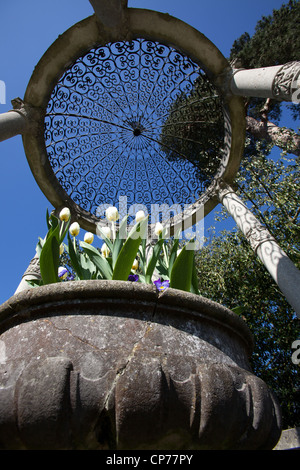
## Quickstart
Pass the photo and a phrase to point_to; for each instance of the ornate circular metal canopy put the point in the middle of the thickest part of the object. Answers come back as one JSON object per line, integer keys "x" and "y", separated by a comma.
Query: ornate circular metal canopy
{"x": 135, "y": 117}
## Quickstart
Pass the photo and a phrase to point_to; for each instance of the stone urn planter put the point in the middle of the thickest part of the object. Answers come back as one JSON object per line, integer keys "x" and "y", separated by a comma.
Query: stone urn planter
{"x": 117, "y": 365}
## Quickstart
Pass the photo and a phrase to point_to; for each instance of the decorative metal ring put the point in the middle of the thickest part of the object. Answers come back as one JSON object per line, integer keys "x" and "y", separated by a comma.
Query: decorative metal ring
{"x": 134, "y": 118}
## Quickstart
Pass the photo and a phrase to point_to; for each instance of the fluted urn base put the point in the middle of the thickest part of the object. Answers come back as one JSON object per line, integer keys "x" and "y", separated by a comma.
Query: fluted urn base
{"x": 115, "y": 365}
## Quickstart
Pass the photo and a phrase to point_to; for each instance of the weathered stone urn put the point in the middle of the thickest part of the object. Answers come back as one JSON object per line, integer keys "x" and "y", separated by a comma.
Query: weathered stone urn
{"x": 116, "y": 365}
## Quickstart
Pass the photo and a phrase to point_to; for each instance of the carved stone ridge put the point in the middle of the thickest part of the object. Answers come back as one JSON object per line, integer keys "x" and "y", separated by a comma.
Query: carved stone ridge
{"x": 258, "y": 234}
{"x": 33, "y": 268}
{"x": 285, "y": 81}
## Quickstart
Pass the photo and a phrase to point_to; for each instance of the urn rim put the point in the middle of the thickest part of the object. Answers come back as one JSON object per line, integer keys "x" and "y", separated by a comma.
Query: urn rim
{"x": 27, "y": 305}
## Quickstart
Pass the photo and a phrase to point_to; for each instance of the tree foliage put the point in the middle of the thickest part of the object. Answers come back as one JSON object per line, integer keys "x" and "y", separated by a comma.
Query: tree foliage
{"x": 194, "y": 130}
{"x": 275, "y": 39}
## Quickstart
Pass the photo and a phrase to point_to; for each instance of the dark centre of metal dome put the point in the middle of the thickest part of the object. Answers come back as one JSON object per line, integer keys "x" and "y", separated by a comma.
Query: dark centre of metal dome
{"x": 137, "y": 132}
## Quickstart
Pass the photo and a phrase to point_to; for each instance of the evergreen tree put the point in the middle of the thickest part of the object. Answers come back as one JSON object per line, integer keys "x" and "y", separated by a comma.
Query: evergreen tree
{"x": 276, "y": 41}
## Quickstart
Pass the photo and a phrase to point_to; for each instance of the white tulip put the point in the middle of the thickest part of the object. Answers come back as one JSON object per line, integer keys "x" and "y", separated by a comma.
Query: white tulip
{"x": 61, "y": 249}
{"x": 88, "y": 237}
{"x": 105, "y": 250}
{"x": 65, "y": 214}
{"x": 74, "y": 229}
{"x": 158, "y": 228}
{"x": 135, "y": 265}
{"x": 140, "y": 215}
{"x": 112, "y": 214}
{"x": 106, "y": 231}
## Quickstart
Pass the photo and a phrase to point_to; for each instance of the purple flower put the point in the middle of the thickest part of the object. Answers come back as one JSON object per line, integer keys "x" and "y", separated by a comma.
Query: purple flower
{"x": 62, "y": 272}
{"x": 64, "y": 275}
{"x": 161, "y": 285}
{"x": 133, "y": 277}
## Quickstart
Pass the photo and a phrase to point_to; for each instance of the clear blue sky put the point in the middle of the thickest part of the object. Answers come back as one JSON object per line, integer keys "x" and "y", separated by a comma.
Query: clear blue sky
{"x": 27, "y": 29}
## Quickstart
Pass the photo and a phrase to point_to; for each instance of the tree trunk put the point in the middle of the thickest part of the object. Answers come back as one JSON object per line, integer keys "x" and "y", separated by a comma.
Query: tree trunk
{"x": 282, "y": 137}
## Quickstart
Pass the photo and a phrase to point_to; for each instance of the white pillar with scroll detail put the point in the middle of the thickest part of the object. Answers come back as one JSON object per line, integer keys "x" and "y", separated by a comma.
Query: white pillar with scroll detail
{"x": 281, "y": 82}
{"x": 279, "y": 265}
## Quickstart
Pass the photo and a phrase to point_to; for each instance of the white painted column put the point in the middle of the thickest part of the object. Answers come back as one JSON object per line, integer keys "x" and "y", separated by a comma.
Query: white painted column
{"x": 12, "y": 123}
{"x": 279, "y": 265}
{"x": 281, "y": 82}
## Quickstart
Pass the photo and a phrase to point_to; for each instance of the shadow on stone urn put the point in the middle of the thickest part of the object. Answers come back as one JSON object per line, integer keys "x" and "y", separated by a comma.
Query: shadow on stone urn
{"x": 117, "y": 365}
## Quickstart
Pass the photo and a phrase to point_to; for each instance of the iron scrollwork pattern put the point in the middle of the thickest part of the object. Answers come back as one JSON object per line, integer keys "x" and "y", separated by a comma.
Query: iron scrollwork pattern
{"x": 136, "y": 119}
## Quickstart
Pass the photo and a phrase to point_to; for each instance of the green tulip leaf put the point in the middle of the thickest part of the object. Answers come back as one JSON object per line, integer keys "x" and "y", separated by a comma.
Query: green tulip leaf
{"x": 39, "y": 246}
{"x": 74, "y": 257}
{"x": 142, "y": 255}
{"x": 153, "y": 260}
{"x": 100, "y": 262}
{"x": 119, "y": 241}
{"x": 238, "y": 310}
{"x": 35, "y": 282}
{"x": 63, "y": 230}
{"x": 181, "y": 273}
{"x": 129, "y": 251}
{"x": 88, "y": 267}
{"x": 48, "y": 220}
{"x": 49, "y": 257}
{"x": 173, "y": 255}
